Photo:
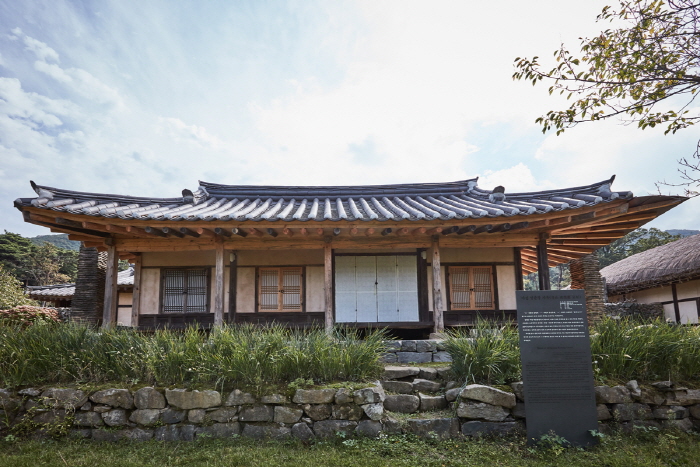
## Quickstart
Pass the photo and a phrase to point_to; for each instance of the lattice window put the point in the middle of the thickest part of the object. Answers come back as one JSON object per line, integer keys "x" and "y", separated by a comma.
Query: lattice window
{"x": 471, "y": 287}
{"x": 185, "y": 290}
{"x": 280, "y": 289}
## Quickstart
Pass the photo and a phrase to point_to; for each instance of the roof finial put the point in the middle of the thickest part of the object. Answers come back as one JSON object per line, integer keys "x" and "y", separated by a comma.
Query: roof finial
{"x": 497, "y": 195}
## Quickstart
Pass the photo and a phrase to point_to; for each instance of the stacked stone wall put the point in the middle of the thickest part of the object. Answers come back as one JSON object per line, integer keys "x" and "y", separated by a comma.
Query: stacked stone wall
{"x": 415, "y": 351}
{"x": 432, "y": 405}
{"x": 641, "y": 311}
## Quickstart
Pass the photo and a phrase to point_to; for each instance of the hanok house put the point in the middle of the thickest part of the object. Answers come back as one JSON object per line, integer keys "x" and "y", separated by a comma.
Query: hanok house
{"x": 668, "y": 274}
{"x": 410, "y": 256}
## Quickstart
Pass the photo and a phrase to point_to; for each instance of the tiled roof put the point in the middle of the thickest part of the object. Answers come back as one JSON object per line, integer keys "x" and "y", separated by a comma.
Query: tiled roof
{"x": 39, "y": 292}
{"x": 415, "y": 202}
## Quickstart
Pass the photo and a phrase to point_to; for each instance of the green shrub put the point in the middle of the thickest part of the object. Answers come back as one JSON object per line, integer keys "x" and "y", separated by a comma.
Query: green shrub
{"x": 486, "y": 353}
{"x": 11, "y": 293}
{"x": 26, "y": 315}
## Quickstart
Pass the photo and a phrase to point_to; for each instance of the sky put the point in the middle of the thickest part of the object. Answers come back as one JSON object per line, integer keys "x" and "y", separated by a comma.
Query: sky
{"x": 148, "y": 97}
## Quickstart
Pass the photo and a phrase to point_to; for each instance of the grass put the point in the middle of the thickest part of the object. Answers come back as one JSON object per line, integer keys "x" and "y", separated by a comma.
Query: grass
{"x": 242, "y": 356}
{"x": 621, "y": 350}
{"x": 666, "y": 449}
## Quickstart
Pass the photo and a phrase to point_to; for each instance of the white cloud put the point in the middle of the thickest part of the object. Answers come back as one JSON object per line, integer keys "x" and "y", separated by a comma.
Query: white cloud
{"x": 180, "y": 131}
{"x": 516, "y": 179}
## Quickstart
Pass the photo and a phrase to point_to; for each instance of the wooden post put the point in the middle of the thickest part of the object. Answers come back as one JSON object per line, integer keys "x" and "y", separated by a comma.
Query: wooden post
{"x": 219, "y": 286}
{"x": 518, "y": 269}
{"x": 676, "y": 307}
{"x": 109, "y": 310}
{"x": 232, "y": 286}
{"x": 136, "y": 296}
{"x": 328, "y": 284}
{"x": 543, "y": 263}
{"x": 438, "y": 317}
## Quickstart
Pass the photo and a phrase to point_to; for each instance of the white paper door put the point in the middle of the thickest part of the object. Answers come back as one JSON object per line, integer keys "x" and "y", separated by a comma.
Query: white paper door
{"x": 345, "y": 290}
{"x": 366, "y": 277}
{"x": 407, "y": 274}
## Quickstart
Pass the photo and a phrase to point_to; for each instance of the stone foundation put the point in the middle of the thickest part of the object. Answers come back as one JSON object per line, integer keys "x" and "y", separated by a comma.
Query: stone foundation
{"x": 183, "y": 415}
{"x": 415, "y": 351}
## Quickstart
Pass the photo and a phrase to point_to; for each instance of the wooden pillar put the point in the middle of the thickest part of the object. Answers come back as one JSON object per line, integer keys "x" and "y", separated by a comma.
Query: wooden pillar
{"x": 136, "y": 295}
{"x": 518, "y": 269}
{"x": 219, "y": 286}
{"x": 232, "y": 286}
{"x": 109, "y": 310}
{"x": 543, "y": 263}
{"x": 328, "y": 284}
{"x": 676, "y": 307}
{"x": 438, "y": 309}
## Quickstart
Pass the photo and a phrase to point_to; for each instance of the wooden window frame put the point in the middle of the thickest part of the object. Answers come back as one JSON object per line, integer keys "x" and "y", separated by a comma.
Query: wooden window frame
{"x": 207, "y": 278}
{"x": 280, "y": 301}
{"x": 470, "y": 267}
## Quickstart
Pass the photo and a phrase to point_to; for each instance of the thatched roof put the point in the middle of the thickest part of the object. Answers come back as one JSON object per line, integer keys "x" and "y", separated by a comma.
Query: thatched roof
{"x": 674, "y": 262}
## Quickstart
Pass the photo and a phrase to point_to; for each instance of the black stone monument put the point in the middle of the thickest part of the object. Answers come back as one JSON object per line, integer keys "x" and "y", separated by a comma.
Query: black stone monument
{"x": 555, "y": 351}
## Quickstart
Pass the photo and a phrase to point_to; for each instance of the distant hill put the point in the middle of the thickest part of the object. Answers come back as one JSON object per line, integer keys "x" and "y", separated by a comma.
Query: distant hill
{"x": 683, "y": 232}
{"x": 60, "y": 240}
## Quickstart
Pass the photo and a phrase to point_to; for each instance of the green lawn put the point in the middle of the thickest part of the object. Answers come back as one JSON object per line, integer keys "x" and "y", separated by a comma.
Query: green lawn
{"x": 654, "y": 449}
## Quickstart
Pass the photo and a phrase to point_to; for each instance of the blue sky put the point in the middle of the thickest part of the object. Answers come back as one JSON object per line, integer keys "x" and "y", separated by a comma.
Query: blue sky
{"x": 148, "y": 97}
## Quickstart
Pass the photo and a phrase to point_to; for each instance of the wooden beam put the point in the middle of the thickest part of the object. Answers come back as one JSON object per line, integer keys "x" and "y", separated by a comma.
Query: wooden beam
{"x": 189, "y": 232}
{"x": 483, "y": 228}
{"x": 271, "y": 232}
{"x": 287, "y": 232}
{"x": 439, "y": 319}
{"x": 137, "y": 231}
{"x": 574, "y": 249}
{"x": 519, "y": 285}
{"x": 611, "y": 227}
{"x": 83, "y": 238}
{"x": 353, "y": 232}
{"x": 434, "y": 231}
{"x": 222, "y": 232}
{"x": 116, "y": 229}
{"x": 466, "y": 229}
{"x": 219, "y": 286}
{"x": 543, "y": 264}
{"x": 319, "y": 232}
{"x": 255, "y": 232}
{"x": 155, "y": 231}
{"x": 232, "y": 286}
{"x": 612, "y": 235}
{"x": 328, "y": 285}
{"x": 136, "y": 294}
{"x": 304, "y": 232}
{"x": 598, "y": 242}
{"x": 450, "y": 230}
{"x": 240, "y": 232}
{"x": 501, "y": 228}
{"x": 386, "y": 232}
{"x": 109, "y": 309}
{"x": 173, "y": 232}
{"x": 69, "y": 223}
{"x": 369, "y": 232}
{"x": 402, "y": 231}
{"x": 419, "y": 231}
{"x": 336, "y": 232}
{"x": 205, "y": 232}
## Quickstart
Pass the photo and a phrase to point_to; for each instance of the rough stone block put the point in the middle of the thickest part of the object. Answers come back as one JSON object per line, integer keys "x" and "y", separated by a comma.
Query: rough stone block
{"x": 633, "y": 387}
{"x": 392, "y": 345}
{"x": 374, "y": 411}
{"x": 428, "y": 403}
{"x": 238, "y": 397}
{"x": 302, "y": 431}
{"x": 183, "y": 399}
{"x": 369, "y": 428}
{"x": 684, "y": 424}
{"x": 318, "y": 411}
{"x": 287, "y": 415}
{"x": 145, "y": 417}
{"x": 402, "y": 403}
{"x": 344, "y": 396}
{"x": 347, "y": 412}
{"x": 116, "y": 417}
{"x": 519, "y": 410}
{"x": 196, "y": 416}
{"x": 274, "y": 399}
{"x": 428, "y": 373}
{"x": 615, "y": 395}
{"x": 314, "y": 396}
{"x": 444, "y": 373}
{"x": 101, "y": 408}
{"x": 90, "y": 419}
{"x": 119, "y": 398}
{"x": 138, "y": 434}
{"x": 167, "y": 433}
{"x": 400, "y": 387}
{"x": 686, "y": 397}
{"x": 149, "y": 398}
{"x": 86, "y": 406}
{"x": 8, "y": 402}
{"x": 695, "y": 411}
{"x": 426, "y": 346}
{"x": 602, "y": 412}
{"x": 632, "y": 411}
{"x": 260, "y": 431}
{"x": 479, "y": 429}
{"x": 224, "y": 415}
{"x": 399, "y": 372}
{"x": 188, "y": 432}
{"x": 370, "y": 395}
{"x": 257, "y": 413}
{"x": 219, "y": 430}
{"x": 388, "y": 357}
{"x": 173, "y": 416}
{"x": 442, "y": 428}
{"x": 329, "y": 428}
{"x": 424, "y": 385}
{"x": 414, "y": 357}
{"x": 489, "y": 395}
{"x": 442, "y": 357}
{"x": 672, "y": 412}
{"x": 408, "y": 346}
{"x": 482, "y": 410}
{"x": 518, "y": 390}
{"x": 111, "y": 436}
{"x": 451, "y": 395}
{"x": 61, "y": 398}
{"x": 29, "y": 392}
{"x": 79, "y": 433}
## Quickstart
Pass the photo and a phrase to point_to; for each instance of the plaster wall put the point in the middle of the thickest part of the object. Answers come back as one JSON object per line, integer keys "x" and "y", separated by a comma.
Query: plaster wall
{"x": 150, "y": 291}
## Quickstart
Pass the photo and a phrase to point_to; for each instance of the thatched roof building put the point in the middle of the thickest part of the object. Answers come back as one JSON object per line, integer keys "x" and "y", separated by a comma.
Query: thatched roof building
{"x": 674, "y": 262}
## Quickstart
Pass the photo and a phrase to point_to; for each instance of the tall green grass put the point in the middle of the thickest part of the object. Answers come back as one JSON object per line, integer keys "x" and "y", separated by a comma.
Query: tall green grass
{"x": 238, "y": 355}
{"x": 621, "y": 350}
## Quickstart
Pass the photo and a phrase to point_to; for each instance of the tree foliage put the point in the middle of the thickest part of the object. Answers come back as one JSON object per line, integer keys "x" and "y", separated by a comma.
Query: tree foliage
{"x": 634, "y": 242}
{"x": 629, "y": 71}
{"x": 37, "y": 264}
{"x": 11, "y": 293}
